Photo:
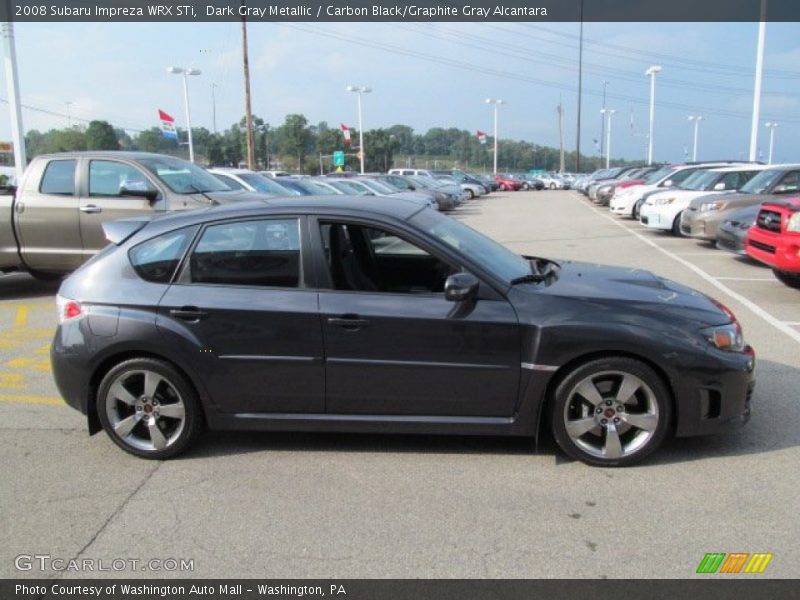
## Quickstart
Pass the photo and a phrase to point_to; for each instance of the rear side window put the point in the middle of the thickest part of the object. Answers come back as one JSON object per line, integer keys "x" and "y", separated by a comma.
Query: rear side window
{"x": 263, "y": 253}
{"x": 59, "y": 178}
{"x": 156, "y": 260}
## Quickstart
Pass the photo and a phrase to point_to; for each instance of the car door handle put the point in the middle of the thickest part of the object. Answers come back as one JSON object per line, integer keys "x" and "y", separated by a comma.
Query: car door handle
{"x": 91, "y": 209}
{"x": 188, "y": 313}
{"x": 349, "y": 323}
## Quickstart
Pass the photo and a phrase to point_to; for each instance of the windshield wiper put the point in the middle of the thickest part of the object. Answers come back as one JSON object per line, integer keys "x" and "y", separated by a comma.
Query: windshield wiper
{"x": 532, "y": 278}
{"x": 537, "y": 275}
{"x": 192, "y": 188}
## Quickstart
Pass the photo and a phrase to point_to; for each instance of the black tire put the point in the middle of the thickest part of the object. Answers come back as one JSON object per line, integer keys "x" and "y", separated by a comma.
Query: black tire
{"x": 470, "y": 194}
{"x": 676, "y": 225}
{"x": 552, "y": 186}
{"x": 786, "y": 278}
{"x": 177, "y": 438}
{"x": 45, "y": 277}
{"x": 635, "y": 211}
{"x": 608, "y": 377}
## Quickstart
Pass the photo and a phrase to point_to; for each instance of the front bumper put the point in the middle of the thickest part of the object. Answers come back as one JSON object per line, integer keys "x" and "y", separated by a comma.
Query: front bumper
{"x": 780, "y": 251}
{"x": 718, "y": 398}
{"x": 655, "y": 218}
{"x": 731, "y": 240}
{"x": 702, "y": 226}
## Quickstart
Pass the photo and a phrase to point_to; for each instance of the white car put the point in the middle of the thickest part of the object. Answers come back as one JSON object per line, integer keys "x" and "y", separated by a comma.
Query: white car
{"x": 550, "y": 182}
{"x": 663, "y": 210}
{"x": 626, "y": 202}
{"x": 243, "y": 179}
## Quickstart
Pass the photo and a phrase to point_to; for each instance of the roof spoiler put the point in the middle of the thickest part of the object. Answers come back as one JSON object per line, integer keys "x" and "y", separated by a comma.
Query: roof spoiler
{"x": 119, "y": 231}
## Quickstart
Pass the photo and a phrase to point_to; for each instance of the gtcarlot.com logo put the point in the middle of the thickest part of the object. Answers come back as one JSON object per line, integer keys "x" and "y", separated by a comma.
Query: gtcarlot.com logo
{"x": 736, "y": 562}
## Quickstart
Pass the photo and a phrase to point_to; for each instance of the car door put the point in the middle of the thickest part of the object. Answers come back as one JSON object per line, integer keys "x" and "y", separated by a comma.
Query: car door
{"x": 112, "y": 190}
{"x": 46, "y": 216}
{"x": 394, "y": 345}
{"x": 242, "y": 296}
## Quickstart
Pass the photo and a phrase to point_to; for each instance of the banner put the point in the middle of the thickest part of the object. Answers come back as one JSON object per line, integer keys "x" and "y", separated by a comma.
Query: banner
{"x": 167, "y": 125}
{"x": 346, "y": 133}
{"x": 481, "y": 136}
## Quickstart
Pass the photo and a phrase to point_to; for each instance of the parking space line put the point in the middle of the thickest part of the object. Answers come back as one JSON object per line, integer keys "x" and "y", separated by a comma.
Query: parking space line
{"x": 754, "y": 308}
{"x": 772, "y": 279}
{"x": 21, "y": 318}
{"x": 30, "y": 399}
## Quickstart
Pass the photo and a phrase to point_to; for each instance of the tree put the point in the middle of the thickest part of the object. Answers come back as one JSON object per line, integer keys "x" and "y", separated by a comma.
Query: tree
{"x": 296, "y": 139}
{"x": 100, "y": 135}
{"x": 64, "y": 140}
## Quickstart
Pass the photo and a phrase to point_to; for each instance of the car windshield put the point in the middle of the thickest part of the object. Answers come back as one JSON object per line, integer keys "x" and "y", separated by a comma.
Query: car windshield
{"x": 657, "y": 175}
{"x": 762, "y": 182}
{"x": 376, "y": 186}
{"x": 353, "y": 187}
{"x": 292, "y": 187}
{"x": 317, "y": 188}
{"x": 182, "y": 177}
{"x": 261, "y": 184}
{"x": 701, "y": 180}
{"x": 492, "y": 256}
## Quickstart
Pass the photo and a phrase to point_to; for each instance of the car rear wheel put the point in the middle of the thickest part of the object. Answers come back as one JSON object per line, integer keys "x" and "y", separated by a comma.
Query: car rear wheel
{"x": 611, "y": 412}
{"x": 635, "y": 211}
{"x": 470, "y": 194}
{"x": 786, "y": 278}
{"x": 148, "y": 408}
{"x": 676, "y": 225}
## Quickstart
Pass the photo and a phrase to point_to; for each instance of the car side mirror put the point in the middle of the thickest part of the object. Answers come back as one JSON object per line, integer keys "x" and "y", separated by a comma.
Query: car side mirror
{"x": 150, "y": 194}
{"x": 784, "y": 189}
{"x": 720, "y": 186}
{"x": 668, "y": 183}
{"x": 461, "y": 287}
{"x": 8, "y": 190}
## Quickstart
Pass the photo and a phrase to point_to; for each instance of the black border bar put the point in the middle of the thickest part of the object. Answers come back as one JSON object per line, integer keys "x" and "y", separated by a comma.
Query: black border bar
{"x": 141, "y": 11}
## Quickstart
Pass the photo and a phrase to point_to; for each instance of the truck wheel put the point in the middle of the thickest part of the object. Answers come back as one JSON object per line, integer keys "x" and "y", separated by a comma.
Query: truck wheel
{"x": 786, "y": 278}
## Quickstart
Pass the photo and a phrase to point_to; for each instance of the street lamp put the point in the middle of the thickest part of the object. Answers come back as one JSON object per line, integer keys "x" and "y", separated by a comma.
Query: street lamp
{"x": 696, "y": 119}
{"x": 609, "y": 112}
{"x": 360, "y": 89}
{"x": 495, "y": 101}
{"x": 771, "y": 126}
{"x": 186, "y": 72}
{"x": 651, "y": 72}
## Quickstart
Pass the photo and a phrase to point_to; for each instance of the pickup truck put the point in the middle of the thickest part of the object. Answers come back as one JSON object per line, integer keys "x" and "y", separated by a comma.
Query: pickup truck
{"x": 775, "y": 239}
{"x": 55, "y": 216}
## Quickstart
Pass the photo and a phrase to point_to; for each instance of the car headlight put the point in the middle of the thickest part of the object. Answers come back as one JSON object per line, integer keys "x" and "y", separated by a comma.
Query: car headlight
{"x": 709, "y": 206}
{"x": 726, "y": 337}
{"x": 794, "y": 222}
{"x": 663, "y": 201}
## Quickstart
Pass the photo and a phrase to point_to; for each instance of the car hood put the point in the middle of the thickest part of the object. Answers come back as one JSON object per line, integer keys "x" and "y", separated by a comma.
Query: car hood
{"x": 629, "y": 291}
{"x": 738, "y": 199}
{"x": 233, "y": 196}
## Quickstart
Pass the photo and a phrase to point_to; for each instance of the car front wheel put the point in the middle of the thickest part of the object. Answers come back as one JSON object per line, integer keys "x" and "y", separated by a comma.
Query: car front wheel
{"x": 148, "y": 408}
{"x": 611, "y": 412}
{"x": 786, "y": 278}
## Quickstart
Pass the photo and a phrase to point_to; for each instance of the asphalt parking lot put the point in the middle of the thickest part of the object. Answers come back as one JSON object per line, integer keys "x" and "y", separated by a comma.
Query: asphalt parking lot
{"x": 310, "y": 505}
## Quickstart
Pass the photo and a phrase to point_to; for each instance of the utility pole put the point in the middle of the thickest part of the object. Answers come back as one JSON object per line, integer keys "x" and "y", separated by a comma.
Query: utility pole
{"x": 561, "y": 134}
{"x": 762, "y": 26}
{"x": 603, "y": 120}
{"x": 14, "y": 106}
{"x": 248, "y": 112}
{"x": 580, "y": 90}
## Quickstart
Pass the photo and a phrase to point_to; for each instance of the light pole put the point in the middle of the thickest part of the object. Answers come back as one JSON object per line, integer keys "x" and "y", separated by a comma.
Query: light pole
{"x": 762, "y": 30}
{"x": 186, "y": 72}
{"x": 14, "y": 106}
{"x": 771, "y": 126}
{"x": 651, "y": 72}
{"x": 360, "y": 89}
{"x": 603, "y": 120}
{"x": 496, "y": 102}
{"x": 214, "y": 108}
{"x": 609, "y": 112}
{"x": 696, "y": 119}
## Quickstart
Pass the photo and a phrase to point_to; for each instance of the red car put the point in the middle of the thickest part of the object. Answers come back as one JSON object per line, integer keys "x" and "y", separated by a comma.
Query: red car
{"x": 775, "y": 239}
{"x": 507, "y": 183}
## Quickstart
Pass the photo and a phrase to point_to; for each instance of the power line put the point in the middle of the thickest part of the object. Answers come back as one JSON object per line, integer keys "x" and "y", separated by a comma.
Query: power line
{"x": 54, "y": 113}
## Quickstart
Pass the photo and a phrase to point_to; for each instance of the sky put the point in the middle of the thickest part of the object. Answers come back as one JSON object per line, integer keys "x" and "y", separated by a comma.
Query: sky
{"x": 426, "y": 75}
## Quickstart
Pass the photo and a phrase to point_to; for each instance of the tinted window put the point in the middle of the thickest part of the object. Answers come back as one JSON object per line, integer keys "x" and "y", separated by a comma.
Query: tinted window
{"x": 59, "y": 178}
{"x": 253, "y": 253}
{"x": 109, "y": 178}
{"x": 156, "y": 259}
{"x": 183, "y": 177}
{"x": 229, "y": 181}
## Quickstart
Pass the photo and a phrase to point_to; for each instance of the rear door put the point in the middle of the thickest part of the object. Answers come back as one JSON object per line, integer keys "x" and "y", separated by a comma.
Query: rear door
{"x": 107, "y": 194}
{"x": 47, "y": 217}
{"x": 242, "y": 298}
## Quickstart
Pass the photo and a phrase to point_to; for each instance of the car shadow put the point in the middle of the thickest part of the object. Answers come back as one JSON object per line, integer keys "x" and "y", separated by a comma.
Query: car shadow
{"x": 773, "y": 427}
{"x": 17, "y": 286}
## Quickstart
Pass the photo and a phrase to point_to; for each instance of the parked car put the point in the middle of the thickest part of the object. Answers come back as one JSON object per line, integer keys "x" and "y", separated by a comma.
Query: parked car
{"x": 384, "y": 189}
{"x": 507, "y": 182}
{"x": 455, "y": 195}
{"x": 628, "y": 202}
{"x": 551, "y": 182}
{"x": 775, "y": 239}
{"x": 244, "y": 179}
{"x": 732, "y": 233}
{"x": 412, "y": 172}
{"x": 275, "y": 174}
{"x": 703, "y": 216}
{"x": 614, "y": 175}
{"x": 531, "y": 181}
{"x": 606, "y": 190}
{"x": 302, "y": 314}
{"x": 54, "y": 221}
{"x": 489, "y": 182}
{"x": 444, "y": 199}
{"x": 473, "y": 188}
{"x": 664, "y": 211}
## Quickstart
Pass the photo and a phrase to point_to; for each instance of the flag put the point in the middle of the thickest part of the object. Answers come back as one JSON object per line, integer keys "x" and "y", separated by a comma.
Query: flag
{"x": 167, "y": 125}
{"x": 481, "y": 136}
{"x": 346, "y": 133}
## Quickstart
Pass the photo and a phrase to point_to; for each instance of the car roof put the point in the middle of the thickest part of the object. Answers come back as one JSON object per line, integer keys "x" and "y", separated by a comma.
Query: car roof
{"x": 231, "y": 171}
{"x": 128, "y": 154}
{"x": 743, "y": 167}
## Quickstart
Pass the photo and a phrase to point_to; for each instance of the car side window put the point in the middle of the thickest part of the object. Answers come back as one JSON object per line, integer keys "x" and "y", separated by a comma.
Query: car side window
{"x": 680, "y": 176}
{"x": 369, "y": 259}
{"x": 59, "y": 178}
{"x": 792, "y": 178}
{"x": 731, "y": 181}
{"x": 261, "y": 253}
{"x": 111, "y": 178}
{"x": 156, "y": 259}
